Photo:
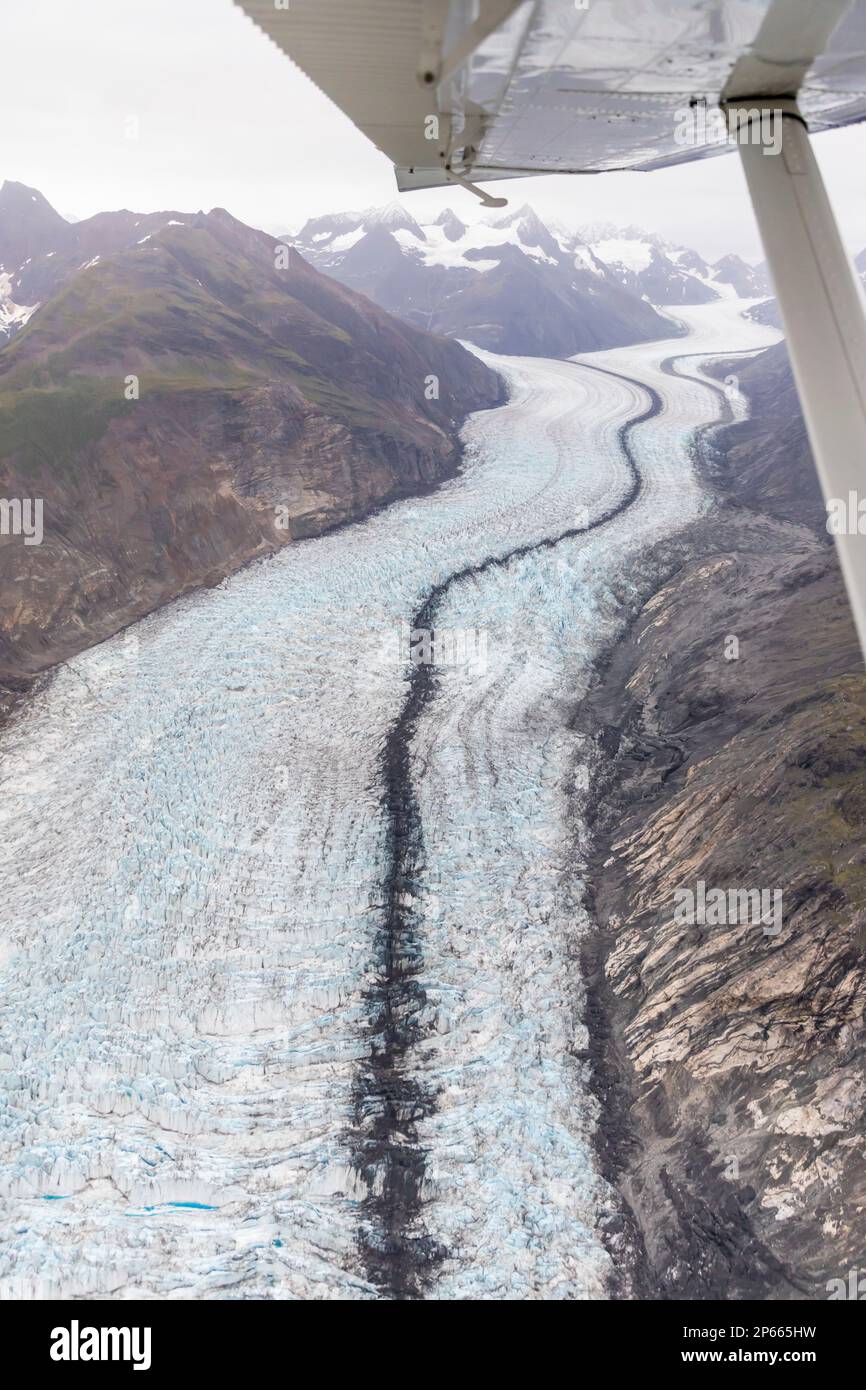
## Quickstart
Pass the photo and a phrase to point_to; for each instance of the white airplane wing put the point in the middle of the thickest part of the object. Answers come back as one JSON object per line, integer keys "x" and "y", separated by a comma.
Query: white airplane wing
{"x": 456, "y": 90}
{"x": 497, "y": 88}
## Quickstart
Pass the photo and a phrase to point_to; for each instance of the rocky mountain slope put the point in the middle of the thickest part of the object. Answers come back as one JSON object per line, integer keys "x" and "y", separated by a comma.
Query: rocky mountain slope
{"x": 514, "y": 284}
{"x": 764, "y": 462}
{"x": 188, "y": 396}
{"x": 729, "y": 1060}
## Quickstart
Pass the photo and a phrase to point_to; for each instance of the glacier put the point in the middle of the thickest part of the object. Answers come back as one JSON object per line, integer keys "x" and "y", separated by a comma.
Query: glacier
{"x": 195, "y": 850}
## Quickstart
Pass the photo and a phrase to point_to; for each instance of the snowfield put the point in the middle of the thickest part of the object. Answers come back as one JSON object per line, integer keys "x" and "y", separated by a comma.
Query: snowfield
{"x": 12, "y": 316}
{"x": 192, "y": 847}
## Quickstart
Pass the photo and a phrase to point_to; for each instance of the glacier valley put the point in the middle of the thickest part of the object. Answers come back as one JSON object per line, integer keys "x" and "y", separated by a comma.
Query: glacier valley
{"x": 290, "y": 1000}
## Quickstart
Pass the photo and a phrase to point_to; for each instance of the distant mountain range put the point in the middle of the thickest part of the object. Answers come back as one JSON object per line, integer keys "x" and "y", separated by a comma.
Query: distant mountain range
{"x": 185, "y": 392}
{"x": 514, "y": 284}
{"x": 511, "y": 283}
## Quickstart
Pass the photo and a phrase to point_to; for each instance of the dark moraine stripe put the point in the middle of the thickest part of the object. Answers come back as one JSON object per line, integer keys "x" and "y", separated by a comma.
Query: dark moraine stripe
{"x": 399, "y": 1256}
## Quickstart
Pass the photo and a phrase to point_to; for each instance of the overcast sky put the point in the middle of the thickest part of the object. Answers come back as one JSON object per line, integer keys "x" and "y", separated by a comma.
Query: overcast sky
{"x": 224, "y": 119}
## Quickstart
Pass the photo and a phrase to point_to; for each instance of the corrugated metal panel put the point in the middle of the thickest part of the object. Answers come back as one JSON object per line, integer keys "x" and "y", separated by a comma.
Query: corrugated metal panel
{"x": 364, "y": 55}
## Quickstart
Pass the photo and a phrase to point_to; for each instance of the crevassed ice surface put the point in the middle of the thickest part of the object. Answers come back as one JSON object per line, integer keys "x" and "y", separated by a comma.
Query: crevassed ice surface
{"x": 191, "y": 848}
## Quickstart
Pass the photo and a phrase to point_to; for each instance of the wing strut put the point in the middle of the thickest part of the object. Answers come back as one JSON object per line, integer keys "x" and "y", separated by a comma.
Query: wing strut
{"x": 487, "y": 199}
{"x": 822, "y": 308}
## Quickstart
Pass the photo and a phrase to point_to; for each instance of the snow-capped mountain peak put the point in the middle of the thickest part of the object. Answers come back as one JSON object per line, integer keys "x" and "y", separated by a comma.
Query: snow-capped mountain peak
{"x": 508, "y": 282}
{"x": 530, "y": 230}
{"x": 12, "y": 316}
{"x": 451, "y": 225}
{"x": 639, "y": 262}
{"x": 394, "y": 217}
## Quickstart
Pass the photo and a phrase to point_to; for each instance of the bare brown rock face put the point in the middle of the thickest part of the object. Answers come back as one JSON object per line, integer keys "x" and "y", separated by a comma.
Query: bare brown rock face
{"x": 189, "y": 397}
{"x": 730, "y": 1058}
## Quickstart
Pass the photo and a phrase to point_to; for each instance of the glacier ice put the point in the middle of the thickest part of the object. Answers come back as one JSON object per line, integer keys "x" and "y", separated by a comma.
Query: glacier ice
{"x": 191, "y": 845}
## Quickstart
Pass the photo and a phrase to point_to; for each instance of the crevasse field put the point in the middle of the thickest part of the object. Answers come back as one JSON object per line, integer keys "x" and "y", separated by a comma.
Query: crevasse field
{"x": 192, "y": 850}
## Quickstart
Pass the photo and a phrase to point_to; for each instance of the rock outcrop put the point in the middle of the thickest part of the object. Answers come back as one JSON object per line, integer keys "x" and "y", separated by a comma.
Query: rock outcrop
{"x": 731, "y": 723}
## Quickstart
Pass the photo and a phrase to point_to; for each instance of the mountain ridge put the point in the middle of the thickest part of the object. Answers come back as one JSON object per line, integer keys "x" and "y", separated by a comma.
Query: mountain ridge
{"x": 192, "y": 395}
{"x": 516, "y": 284}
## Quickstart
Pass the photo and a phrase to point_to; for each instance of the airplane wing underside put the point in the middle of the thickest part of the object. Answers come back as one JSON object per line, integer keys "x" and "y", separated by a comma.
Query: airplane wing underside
{"x": 499, "y": 88}
{"x": 456, "y": 90}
